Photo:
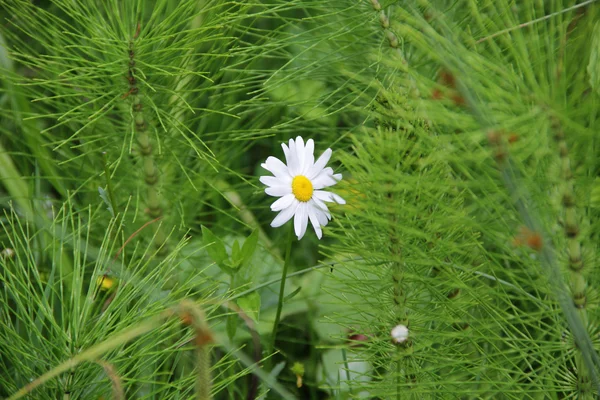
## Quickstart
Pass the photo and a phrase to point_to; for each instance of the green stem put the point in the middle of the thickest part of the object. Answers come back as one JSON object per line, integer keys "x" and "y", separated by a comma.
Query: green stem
{"x": 109, "y": 189}
{"x": 574, "y": 253}
{"x": 18, "y": 189}
{"x": 398, "y": 375}
{"x": 94, "y": 352}
{"x": 203, "y": 379}
{"x": 347, "y": 368}
{"x": 15, "y": 184}
{"x": 522, "y": 202}
{"x": 330, "y": 264}
{"x": 286, "y": 264}
{"x": 149, "y": 166}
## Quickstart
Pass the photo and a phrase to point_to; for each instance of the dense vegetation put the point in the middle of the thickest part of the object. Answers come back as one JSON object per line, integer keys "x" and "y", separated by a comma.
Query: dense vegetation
{"x": 137, "y": 257}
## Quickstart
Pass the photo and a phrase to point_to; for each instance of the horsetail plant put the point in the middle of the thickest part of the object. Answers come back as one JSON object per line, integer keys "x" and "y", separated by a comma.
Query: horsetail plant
{"x": 463, "y": 264}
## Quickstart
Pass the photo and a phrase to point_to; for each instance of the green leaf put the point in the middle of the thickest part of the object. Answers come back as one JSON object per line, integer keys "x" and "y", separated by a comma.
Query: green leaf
{"x": 291, "y": 295}
{"x": 250, "y": 304}
{"x": 104, "y": 197}
{"x": 215, "y": 249}
{"x": 236, "y": 256}
{"x": 249, "y": 246}
{"x": 231, "y": 325}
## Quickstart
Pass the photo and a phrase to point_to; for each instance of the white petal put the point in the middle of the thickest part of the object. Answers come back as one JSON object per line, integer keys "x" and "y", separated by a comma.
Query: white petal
{"x": 276, "y": 167}
{"x": 328, "y": 196}
{"x": 300, "y": 153}
{"x": 285, "y": 215}
{"x": 329, "y": 171}
{"x": 323, "y": 180}
{"x": 283, "y": 202}
{"x": 323, "y": 217}
{"x": 278, "y": 191}
{"x": 309, "y": 156}
{"x": 320, "y": 205}
{"x": 312, "y": 215}
{"x": 301, "y": 220}
{"x": 273, "y": 181}
{"x": 338, "y": 199}
{"x": 321, "y": 209}
{"x": 319, "y": 165}
{"x": 291, "y": 157}
{"x": 286, "y": 153}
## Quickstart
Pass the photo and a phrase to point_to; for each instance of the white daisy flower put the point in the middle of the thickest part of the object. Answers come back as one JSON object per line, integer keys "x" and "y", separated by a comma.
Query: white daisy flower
{"x": 298, "y": 186}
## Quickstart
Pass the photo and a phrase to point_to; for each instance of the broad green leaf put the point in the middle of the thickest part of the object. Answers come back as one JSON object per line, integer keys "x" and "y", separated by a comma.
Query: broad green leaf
{"x": 250, "y": 304}
{"x": 215, "y": 249}
{"x": 236, "y": 256}
{"x": 249, "y": 246}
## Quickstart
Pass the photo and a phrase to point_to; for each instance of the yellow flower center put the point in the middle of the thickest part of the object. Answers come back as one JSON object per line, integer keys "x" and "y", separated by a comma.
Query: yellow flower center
{"x": 302, "y": 188}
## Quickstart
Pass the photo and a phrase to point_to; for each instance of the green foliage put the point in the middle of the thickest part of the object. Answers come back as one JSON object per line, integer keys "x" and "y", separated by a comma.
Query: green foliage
{"x": 216, "y": 250}
{"x": 135, "y": 238}
{"x": 593, "y": 67}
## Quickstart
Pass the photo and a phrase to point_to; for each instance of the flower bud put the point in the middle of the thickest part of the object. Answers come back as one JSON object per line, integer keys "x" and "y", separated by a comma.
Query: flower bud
{"x": 399, "y": 334}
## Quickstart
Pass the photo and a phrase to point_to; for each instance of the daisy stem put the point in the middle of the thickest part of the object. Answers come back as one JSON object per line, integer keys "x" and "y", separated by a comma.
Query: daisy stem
{"x": 286, "y": 264}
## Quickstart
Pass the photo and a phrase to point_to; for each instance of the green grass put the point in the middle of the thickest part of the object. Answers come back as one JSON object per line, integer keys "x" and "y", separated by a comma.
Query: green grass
{"x": 131, "y": 138}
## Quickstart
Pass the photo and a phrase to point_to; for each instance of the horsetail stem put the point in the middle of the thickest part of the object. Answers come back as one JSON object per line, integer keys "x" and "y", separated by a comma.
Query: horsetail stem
{"x": 574, "y": 261}
{"x": 149, "y": 169}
